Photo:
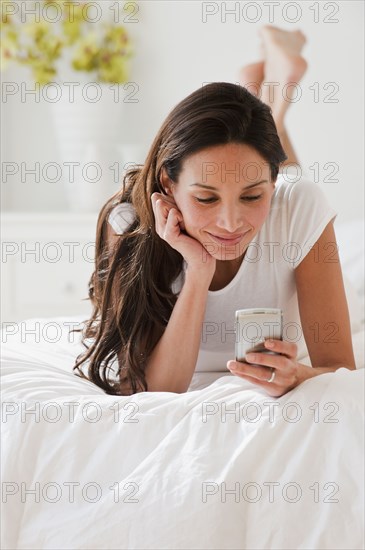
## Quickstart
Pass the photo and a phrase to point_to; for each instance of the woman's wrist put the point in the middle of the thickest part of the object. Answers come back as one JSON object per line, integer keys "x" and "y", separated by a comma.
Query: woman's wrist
{"x": 199, "y": 276}
{"x": 305, "y": 372}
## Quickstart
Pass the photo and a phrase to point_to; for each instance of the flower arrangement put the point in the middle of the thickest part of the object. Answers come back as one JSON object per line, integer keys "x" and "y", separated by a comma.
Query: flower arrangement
{"x": 102, "y": 48}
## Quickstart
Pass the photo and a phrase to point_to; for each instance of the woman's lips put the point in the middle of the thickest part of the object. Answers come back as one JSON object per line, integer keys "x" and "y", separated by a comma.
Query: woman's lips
{"x": 221, "y": 240}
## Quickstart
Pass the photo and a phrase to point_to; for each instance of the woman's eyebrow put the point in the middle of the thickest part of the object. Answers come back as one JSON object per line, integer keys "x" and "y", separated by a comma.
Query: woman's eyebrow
{"x": 215, "y": 188}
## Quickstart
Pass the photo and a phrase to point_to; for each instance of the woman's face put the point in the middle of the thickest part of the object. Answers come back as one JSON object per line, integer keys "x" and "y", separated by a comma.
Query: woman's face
{"x": 224, "y": 194}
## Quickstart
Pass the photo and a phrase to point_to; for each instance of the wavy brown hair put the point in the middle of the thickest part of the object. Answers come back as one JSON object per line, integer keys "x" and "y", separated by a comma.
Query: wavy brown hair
{"x": 130, "y": 288}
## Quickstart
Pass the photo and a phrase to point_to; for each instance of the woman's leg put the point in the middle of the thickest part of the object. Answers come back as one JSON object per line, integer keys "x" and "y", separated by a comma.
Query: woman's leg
{"x": 274, "y": 80}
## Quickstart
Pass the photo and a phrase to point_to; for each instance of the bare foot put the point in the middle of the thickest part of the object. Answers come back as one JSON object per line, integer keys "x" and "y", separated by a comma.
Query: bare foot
{"x": 251, "y": 77}
{"x": 282, "y": 53}
{"x": 283, "y": 66}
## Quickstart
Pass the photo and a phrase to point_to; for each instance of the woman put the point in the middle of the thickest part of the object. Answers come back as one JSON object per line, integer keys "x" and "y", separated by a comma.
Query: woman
{"x": 208, "y": 225}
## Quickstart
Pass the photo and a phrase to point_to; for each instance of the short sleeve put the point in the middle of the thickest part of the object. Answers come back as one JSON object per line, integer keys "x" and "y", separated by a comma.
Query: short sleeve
{"x": 121, "y": 217}
{"x": 308, "y": 213}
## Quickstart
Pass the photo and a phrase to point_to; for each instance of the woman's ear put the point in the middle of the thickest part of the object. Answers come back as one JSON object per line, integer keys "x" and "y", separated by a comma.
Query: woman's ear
{"x": 165, "y": 182}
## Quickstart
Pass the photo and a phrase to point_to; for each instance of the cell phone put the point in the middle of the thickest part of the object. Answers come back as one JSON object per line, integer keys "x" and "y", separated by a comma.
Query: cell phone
{"x": 253, "y": 327}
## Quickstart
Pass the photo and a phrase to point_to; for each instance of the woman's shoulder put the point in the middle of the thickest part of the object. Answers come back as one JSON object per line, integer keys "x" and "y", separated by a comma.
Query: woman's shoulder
{"x": 121, "y": 217}
{"x": 290, "y": 185}
{"x": 296, "y": 192}
{"x": 300, "y": 210}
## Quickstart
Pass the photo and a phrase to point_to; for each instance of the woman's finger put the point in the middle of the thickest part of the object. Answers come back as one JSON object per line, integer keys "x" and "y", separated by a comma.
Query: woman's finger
{"x": 161, "y": 212}
{"x": 289, "y": 349}
{"x": 168, "y": 218}
{"x": 260, "y": 373}
{"x": 279, "y": 362}
{"x": 165, "y": 198}
{"x": 172, "y": 228}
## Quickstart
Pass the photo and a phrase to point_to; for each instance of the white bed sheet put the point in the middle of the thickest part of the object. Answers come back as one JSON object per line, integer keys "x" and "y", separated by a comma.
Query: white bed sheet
{"x": 162, "y": 470}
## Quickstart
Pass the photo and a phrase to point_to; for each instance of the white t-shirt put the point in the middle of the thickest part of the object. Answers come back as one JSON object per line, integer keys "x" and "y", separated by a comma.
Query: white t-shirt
{"x": 298, "y": 215}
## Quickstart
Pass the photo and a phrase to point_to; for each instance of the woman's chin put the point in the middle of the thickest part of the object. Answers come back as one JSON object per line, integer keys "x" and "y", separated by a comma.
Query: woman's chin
{"x": 231, "y": 254}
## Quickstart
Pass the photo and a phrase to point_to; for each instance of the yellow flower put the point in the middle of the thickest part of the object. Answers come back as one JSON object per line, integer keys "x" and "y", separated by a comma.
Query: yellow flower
{"x": 103, "y": 48}
{"x": 113, "y": 69}
{"x": 44, "y": 74}
{"x": 86, "y": 54}
{"x": 37, "y": 30}
{"x": 8, "y": 49}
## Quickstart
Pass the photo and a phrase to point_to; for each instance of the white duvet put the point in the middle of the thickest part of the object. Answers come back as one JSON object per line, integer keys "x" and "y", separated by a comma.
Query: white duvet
{"x": 222, "y": 467}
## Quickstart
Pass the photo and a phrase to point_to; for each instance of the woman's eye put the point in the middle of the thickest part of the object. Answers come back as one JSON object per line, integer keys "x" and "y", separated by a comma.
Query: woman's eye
{"x": 253, "y": 198}
{"x": 205, "y": 200}
{"x": 249, "y": 199}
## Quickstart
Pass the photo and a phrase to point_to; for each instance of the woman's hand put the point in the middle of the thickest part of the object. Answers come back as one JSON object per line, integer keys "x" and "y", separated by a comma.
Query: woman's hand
{"x": 282, "y": 369}
{"x": 170, "y": 227}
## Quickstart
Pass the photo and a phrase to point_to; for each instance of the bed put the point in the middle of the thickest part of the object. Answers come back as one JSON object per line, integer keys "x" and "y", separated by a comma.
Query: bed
{"x": 223, "y": 466}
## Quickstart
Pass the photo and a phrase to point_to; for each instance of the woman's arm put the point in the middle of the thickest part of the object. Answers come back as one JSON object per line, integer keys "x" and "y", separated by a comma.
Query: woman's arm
{"x": 325, "y": 321}
{"x": 172, "y": 362}
{"x": 323, "y": 308}
{"x": 171, "y": 365}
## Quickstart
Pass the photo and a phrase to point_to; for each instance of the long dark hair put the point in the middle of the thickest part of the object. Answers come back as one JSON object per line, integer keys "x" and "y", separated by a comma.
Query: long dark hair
{"x": 131, "y": 295}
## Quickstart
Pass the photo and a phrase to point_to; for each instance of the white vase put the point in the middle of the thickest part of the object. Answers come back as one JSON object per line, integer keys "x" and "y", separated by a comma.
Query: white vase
{"x": 89, "y": 129}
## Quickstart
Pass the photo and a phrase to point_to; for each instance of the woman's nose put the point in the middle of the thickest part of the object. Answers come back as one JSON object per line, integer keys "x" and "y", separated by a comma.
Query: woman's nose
{"x": 230, "y": 219}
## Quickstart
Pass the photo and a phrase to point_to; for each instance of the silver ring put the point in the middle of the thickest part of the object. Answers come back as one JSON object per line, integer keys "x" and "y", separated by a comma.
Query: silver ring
{"x": 272, "y": 377}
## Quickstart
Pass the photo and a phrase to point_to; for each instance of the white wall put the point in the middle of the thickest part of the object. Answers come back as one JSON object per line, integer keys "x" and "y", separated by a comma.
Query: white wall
{"x": 176, "y": 52}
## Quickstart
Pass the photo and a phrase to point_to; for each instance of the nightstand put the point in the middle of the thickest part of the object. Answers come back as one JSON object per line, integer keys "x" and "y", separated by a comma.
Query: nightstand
{"x": 46, "y": 262}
